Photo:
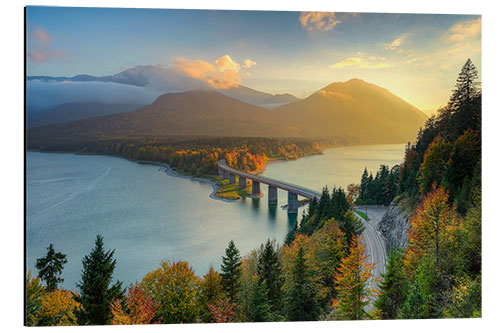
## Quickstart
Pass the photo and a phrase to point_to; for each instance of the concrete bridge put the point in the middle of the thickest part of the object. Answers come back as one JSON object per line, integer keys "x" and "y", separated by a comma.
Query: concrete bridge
{"x": 293, "y": 190}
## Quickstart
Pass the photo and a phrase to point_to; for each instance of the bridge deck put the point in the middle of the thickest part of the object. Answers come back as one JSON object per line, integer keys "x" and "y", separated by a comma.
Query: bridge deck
{"x": 296, "y": 189}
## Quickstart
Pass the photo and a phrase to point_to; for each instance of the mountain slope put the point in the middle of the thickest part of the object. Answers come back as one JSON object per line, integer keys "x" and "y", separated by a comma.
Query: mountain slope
{"x": 197, "y": 112}
{"x": 354, "y": 108}
{"x": 67, "y": 112}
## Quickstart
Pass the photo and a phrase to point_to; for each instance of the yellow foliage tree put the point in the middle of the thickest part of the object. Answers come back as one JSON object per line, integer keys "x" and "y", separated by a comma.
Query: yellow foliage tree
{"x": 352, "y": 284}
{"x": 175, "y": 288}
{"x": 58, "y": 309}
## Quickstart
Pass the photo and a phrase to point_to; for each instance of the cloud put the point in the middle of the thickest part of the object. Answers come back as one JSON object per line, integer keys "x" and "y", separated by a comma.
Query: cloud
{"x": 41, "y": 35}
{"x": 223, "y": 75}
{"x": 360, "y": 62}
{"x": 465, "y": 30}
{"x": 318, "y": 20}
{"x": 41, "y": 49}
{"x": 249, "y": 63}
{"x": 395, "y": 43}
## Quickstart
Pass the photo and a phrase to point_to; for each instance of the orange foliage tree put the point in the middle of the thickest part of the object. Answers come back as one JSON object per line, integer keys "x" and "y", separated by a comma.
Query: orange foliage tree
{"x": 141, "y": 308}
{"x": 430, "y": 226}
{"x": 352, "y": 284}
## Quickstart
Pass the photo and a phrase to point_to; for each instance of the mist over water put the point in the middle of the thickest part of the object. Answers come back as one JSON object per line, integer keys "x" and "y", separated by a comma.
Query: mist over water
{"x": 147, "y": 216}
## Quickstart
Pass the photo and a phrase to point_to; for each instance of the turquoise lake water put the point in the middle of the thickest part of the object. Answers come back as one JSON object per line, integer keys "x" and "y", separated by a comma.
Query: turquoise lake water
{"x": 147, "y": 216}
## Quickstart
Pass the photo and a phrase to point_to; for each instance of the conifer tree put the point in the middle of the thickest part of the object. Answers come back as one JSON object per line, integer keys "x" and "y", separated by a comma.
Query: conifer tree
{"x": 413, "y": 308}
{"x": 393, "y": 288}
{"x": 270, "y": 274}
{"x": 50, "y": 267}
{"x": 465, "y": 101}
{"x": 260, "y": 309}
{"x": 301, "y": 303}
{"x": 96, "y": 291}
{"x": 231, "y": 271}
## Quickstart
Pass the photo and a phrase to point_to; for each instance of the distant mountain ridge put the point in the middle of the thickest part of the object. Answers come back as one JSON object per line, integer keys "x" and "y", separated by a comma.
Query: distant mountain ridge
{"x": 170, "y": 80}
{"x": 67, "y": 112}
{"x": 354, "y": 109}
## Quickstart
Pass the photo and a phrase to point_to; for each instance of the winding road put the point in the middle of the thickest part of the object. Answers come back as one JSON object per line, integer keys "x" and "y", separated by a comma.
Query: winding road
{"x": 373, "y": 241}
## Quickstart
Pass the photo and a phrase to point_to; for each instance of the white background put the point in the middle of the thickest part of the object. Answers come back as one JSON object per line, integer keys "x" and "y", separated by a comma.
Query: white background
{"x": 12, "y": 160}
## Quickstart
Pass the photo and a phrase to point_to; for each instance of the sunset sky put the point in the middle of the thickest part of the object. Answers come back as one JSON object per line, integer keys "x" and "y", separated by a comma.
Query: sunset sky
{"x": 417, "y": 57}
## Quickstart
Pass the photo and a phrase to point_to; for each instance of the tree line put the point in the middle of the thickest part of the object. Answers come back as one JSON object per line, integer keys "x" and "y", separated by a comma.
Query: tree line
{"x": 439, "y": 182}
{"x": 199, "y": 155}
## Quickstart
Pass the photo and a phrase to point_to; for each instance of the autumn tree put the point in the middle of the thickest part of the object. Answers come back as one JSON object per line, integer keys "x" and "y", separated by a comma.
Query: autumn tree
{"x": 211, "y": 291}
{"x": 270, "y": 274}
{"x": 231, "y": 271}
{"x": 463, "y": 159}
{"x": 34, "y": 293}
{"x": 301, "y": 302}
{"x": 352, "y": 284}
{"x": 58, "y": 308}
{"x": 96, "y": 290}
{"x": 50, "y": 268}
{"x": 175, "y": 288}
{"x": 429, "y": 226}
{"x": 140, "y": 308}
{"x": 222, "y": 311}
{"x": 435, "y": 164}
{"x": 353, "y": 193}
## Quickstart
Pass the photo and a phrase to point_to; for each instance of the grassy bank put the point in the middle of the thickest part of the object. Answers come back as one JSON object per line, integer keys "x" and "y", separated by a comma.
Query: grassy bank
{"x": 230, "y": 191}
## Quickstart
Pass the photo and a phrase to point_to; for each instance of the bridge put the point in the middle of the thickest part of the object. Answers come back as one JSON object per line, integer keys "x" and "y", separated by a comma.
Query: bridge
{"x": 293, "y": 190}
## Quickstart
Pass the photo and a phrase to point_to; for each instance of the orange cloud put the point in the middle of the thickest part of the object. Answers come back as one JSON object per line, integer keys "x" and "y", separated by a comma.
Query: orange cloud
{"x": 395, "y": 43}
{"x": 223, "y": 75}
{"x": 465, "y": 30}
{"x": 359, "y": 63}
{"x": 318, "y": 20}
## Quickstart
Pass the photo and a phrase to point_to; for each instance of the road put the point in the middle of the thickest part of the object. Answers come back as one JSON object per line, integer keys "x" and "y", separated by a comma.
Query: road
{"x": 373, "y": 241}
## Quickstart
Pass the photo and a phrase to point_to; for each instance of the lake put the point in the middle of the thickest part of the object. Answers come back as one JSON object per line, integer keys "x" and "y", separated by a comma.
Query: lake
{"x": 147, "y": 216}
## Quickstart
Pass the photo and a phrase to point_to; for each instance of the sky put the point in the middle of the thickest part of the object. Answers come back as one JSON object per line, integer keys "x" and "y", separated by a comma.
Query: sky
{"x": 415, "y": 56}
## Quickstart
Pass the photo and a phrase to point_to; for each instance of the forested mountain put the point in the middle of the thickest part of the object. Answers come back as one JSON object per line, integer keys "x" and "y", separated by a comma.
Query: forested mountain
{"x": 67, "y": 112}
{"x": 355, "y": 108}
{"x": 355, "y": 111}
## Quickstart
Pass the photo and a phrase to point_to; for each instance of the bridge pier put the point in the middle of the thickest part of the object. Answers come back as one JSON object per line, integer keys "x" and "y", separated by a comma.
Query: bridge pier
{"x": 272, "y": 195}
{"x": 293, "y": 203}
{"x": 255, "y": 189}
{"x": 225, "y": 174}
{"x": 242, "y": 183}
{"x": 232, "y": 178}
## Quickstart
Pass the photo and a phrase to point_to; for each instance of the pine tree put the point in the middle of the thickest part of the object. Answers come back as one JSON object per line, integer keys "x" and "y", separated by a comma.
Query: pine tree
{"x": 231, "y": 271}
{"x": 465, "y": 101}
{"x": 301, "y": 303}
{"x": 364, "y": 185}
{"x": 96, "y": 291}
{"x": 413, "y": 308}
{"x": 260, "y": 309}
{"x": 270, "y": 274}
{"x": 393, "y": 288}
{"x": 50, "y": 267}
